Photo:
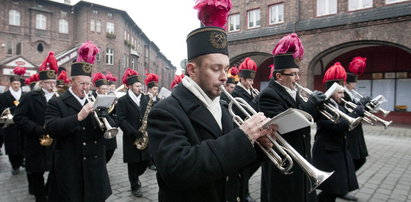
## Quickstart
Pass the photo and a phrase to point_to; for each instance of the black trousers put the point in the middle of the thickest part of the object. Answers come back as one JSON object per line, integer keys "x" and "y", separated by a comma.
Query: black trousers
{"x": 16, "y": 160}
{"x": 134, "y": 171}
{"x": 109, "y": 154}
{"x": 326, "y": 197}
{"x": 358, "y": 163}
{"x": 36, "y": 184}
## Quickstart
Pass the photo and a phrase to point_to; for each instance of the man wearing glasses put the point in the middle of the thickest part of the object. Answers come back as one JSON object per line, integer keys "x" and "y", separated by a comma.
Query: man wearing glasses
{"x": 280, "y": 95}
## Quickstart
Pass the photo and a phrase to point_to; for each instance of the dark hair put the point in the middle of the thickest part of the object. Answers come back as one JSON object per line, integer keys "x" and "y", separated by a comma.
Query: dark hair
{"x": 281, "y": 71}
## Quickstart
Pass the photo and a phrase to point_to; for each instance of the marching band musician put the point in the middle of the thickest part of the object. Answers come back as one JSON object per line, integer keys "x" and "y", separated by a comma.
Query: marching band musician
{"x": 101, "y": 83}
{"x": 244, "y": 87}
{"x": 280, "y": 95}
{"x": 111, "y": 82}
{"x": 231, "y": 83}
{"x": 198, "y": 154}
{"x": 29, "y": 116}
{"x": 13, "y": 139}
{"x": 330, "y": 150}
{"x": 177, "y": 80}
{"x": 130, "y": 111}
{"x": 356, "y": 141}
{"x": 62, "y": 82}
{"x": 78, "y": 172}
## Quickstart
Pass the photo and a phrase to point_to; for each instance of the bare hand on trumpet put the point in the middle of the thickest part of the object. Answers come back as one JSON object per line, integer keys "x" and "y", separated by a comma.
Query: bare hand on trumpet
{"x": 253, "y": 127}
{"x": 85, "y": 111}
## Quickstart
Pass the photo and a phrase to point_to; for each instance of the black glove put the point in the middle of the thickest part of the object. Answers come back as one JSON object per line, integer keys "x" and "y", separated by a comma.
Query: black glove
{"x": 317, "y": 98}
{"x": 365, "y": 100}
{"x": 102, "y": 111}
{"x": 359, "y": 110}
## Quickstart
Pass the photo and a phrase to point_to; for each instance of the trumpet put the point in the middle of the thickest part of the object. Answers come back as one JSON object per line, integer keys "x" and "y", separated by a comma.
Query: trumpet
{"x": 109, "y": 131}
{"x": 329, "y": 108}
{"x": 254, "y": 92}
{"x": 45, "y": 140}
{"x": 370, "y": 118}
{"x": 375, "y": 103}
{"x": 289, "y": 153}
{"x": 6, "y": 117}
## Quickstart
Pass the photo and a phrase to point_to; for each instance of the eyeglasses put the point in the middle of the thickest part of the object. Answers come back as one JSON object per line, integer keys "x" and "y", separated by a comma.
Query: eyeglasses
{"x": 294, "y": 74}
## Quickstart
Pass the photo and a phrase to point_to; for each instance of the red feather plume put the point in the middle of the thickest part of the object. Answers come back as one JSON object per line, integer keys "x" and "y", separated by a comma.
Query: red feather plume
{"x": 357, "y": 65}
{"x": 271, "y": 71}
{"x": 177, "y": 80}
{"x": 98, "y": 76}
{"x": 150, "y": 78}
{"x": 290, "y": 43}
{"x": 233, "y": 71}
{"x": 110, "y": 77}
{"x": 248, "y": 63}
{"x": 19, "y": 70}
{"x": 213, "y": 12}
{"x": 87, "y": 52}
{"x": 335, "y": 72}
{"x": 50, "y": 63}
{"x": 129, "y": 72}
{"x": 34, "y": 78}
{"x": 63, "y": 76}
{"x": 27, "y": 81}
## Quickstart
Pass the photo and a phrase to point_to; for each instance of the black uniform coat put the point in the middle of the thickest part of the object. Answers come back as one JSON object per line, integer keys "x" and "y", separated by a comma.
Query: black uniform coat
{"x": 79, "y": 170}
{"x": 330, "y": 153}
{"x": 111, "y": 144}
{"x": 275, "y": 186}
{"x": 129, "y": 117}
{"x": 13, "y": 139}
{"x": 29, "y": 116}
{"x": 356, "y": 141}
{"x": 195, "y": 159}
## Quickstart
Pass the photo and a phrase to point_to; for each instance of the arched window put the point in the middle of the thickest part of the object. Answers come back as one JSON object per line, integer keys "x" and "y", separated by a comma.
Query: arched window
{"x": 41, "y": 21}
{"x": 40, "y": 48}
{"x": 14, "y": 18}
{"x": 63, "y": 26}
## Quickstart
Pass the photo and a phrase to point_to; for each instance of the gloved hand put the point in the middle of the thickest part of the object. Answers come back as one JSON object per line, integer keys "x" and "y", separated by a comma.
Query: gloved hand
{"x": 365, "y": 100}
{"x": 359, "y": 110}
{"x": 102, "y": 111}
{"x": 317, "y": 98}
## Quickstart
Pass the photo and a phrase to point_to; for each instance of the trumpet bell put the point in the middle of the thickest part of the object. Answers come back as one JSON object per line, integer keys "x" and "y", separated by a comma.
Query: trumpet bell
{"x": 109, "y": 134}
{"x": 317, "y": 178}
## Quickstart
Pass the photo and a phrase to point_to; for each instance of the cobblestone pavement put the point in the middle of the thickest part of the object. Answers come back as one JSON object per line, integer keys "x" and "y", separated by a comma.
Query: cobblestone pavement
{"x": 386, "y": 176}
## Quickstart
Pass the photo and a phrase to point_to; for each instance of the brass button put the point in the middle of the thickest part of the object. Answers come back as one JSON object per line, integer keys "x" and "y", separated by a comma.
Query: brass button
{"x": 84, "y": 144}
{"x": 238, "y": 199}
{"x": 84, "y": 128}
{"x": 84, "y": 158}
{"x": 227, "y": 178}
{"x": 95, "y": 142}
{"x": 95, "y": 157}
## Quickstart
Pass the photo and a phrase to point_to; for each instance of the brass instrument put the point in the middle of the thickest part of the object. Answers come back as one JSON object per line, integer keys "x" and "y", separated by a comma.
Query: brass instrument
{"x": 118, "y": 95}
{"x": 254, "y": 92}
{"x": 141, "y": 143}
{"x": 6, "y": 117}
{"x": 109, "y": 131}
{"x": 374, "y": 104}
{"x": 369, "y": 117}
{"x": 46, "y": 140}
{"x": 284, "y": 165}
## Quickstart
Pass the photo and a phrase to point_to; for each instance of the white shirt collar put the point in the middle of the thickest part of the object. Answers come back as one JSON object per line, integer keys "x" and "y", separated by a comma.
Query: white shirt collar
{"x": 242, "y": 86}
{"x": 16, "y": 94}
{"x": 133, "y": 97}
{"x": 81, "y": 101}
{"x": 47, "y": 94}
{"x": 293, "y": 93}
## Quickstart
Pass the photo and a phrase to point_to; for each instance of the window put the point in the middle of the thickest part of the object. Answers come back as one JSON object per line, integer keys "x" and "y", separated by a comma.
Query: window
{"x": 98, "y": 26}
{"x": 326, "y": 7}
{"x": 18, "y": 48}
{"x": 276, "y": 14}
{"x": 92, "y": 25}
{"x": 254, "y": 18}
{"x": 9, "y": 46}
{"x": 109, "y": 56}
{"x": 63, "y": 14}
{"x": 14, "y": 18}
{"x": 40, "y": 48}
{"x": 110, "y": 15}
{"x": 63, "y": 26}
{"x": 125, "y": 35}
{"x": 393, "y": 1}
{"x": 234, "y": 23}
{"x": 110, "y": 27}
{"x": 359, "y": 4}
{"x": 95, "y": 12}
{"x": 41, "y": 21}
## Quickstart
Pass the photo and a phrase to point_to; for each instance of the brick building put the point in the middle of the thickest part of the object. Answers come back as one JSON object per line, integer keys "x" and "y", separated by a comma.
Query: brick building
{"x": 29, "y": 29}
{"x": 332, "y": 30}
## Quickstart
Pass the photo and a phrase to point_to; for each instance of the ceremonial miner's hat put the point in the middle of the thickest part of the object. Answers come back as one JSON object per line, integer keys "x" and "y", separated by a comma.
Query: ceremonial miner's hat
{"x": 288, "y": 52}
{"x": 151, "y": 80}
{"x": 48, "y": 69}
{"x": 62, "y": 78}
{"x": 99, "y": 79}
{"x": 177, "y": 79}
{"x": 232, "y": 76}
{"x": 248, "y": 68}
{"x": 18, "y": 73}
{"x": 110, "y": 78}
{"x": 334, "y": 74}
{"x": 356, "y": 68}
{"x": 130, "y": 76}
{"x": 85, "y": 60}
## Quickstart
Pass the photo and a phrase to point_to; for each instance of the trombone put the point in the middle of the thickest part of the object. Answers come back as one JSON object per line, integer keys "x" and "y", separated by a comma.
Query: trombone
{"x": 335, "y": 114}
{"x": 374, "y": 104}
{"x": 283, "y": 164}
{"x": 109, "y": 131}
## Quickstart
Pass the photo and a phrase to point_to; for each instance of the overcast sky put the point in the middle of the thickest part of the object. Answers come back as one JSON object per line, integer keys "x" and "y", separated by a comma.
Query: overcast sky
{"x": 165, "y": 22}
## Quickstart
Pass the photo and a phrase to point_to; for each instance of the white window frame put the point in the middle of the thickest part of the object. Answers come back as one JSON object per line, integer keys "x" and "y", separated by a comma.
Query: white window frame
{"x": 359, "y": 4}
{"x": 254, "y": 17}
{"x": 92, "y": 25}
{"x": 234, "y": 23}
{"x": 330, "y": 7}
{"x": 98, "y": 26}
{"x": 110, "y": 15}
{"x": 276, "y": 13}
{"x": 63, "y": 26}
{"x": 393, "y": 1}
{"x": 14, "y": 17}
{"x": 41, "y": 22}
{"x": 110, "y": 56}
{"x": 110, "y": 27}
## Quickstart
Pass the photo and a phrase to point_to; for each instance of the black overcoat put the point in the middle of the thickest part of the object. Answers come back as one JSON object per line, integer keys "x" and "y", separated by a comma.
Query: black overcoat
{"x": 195, "y": 159}
{"x": 129, "y": 117}
{"x": 29, "y": 116}
{"x": 275, "y": 186}
{"x": 356, "y": 140}
{"x": 79, "y": 170}
{"x": 13, "y": 139}
{"x": 330, "y": 153}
